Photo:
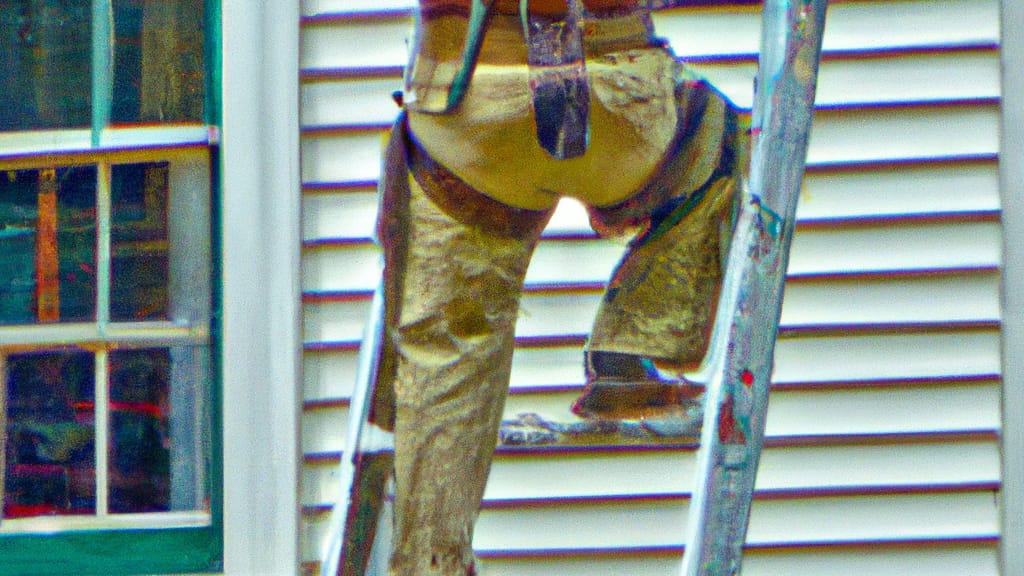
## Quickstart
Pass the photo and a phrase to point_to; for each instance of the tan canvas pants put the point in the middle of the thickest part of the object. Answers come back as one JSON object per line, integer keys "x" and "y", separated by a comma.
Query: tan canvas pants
{"x": 457, "y": 247}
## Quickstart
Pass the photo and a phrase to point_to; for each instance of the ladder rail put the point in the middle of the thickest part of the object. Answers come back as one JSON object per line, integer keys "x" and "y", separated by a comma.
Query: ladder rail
{"x": 737, "y": 368}
{"x": 362, "y": 443}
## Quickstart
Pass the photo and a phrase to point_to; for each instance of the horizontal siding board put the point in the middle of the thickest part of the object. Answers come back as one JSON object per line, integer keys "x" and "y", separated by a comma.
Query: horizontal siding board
{"x": 911, "y": 133}
{"x": 337, "y": 7}
{"x": 838, "y": 137}
{"x": 342, "y": 158}
{"x": 329, "y": 375}
{"x": 851, "y": 26}
{"x": 906, "y": 24}
{"x": 901, "y": 300}
{"x": 853, "y": 359}
{"x": 792, "y": 414}
{"x": 819, "y": 251}
{"x": 850, "y": 302}
{"x": 660, "y": 524}
{"x": 589, "y": 475}
{"x": 350, "y": 102}
{"x": 650, "y": 525}
{"x": 929, "y": 246}
{"x": 339, "y": 215}
{"x": 922, "y": 77}
{"x": 947, "y": 559}
{"x": 351, "y": 214}
{"x": 952, "y": 560}
{"x": 803, "y": 413}
{"x": 926, "y": 189}
{"x": 932, "y": 188}
{"x": 341, "y": 44}
{"x": 324, "y": 429}
{"x": 890, "y": 78}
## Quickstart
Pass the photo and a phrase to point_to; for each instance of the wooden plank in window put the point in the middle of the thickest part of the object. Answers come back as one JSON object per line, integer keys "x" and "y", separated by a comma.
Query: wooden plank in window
{"x": 47, "y": 264}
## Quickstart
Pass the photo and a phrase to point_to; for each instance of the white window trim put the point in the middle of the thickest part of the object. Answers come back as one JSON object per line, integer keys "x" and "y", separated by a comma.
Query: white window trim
{"x": 1011, "y": 169}
{"x": 261, "y": 291}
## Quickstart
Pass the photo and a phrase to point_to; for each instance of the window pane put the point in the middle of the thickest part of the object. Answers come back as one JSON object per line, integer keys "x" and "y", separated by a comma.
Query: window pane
{"x": 45, "y": 49}
{"x": 139, "y": 265}
{"x": 50, "y": 454}
{"x": 48, "y": 245}
{"x": 139, "y": 455}
{"x": 158, "y": 61}
{"x": 158, "y": 430}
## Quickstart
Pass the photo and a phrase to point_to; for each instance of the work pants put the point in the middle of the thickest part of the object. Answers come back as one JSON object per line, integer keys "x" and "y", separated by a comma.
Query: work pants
{"x": 455, "y": 261}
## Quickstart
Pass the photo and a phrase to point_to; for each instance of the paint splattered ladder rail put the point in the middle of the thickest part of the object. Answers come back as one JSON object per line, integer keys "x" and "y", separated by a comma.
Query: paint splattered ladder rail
{"x": 737, "y": 368}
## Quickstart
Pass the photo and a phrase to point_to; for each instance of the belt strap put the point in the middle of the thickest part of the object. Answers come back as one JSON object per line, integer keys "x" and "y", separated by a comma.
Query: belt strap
{"x": 464, "y": 203}
{"x": 558, "y": 76}
{"x": 479, "y": 13}
{"x": 558, "y": 79}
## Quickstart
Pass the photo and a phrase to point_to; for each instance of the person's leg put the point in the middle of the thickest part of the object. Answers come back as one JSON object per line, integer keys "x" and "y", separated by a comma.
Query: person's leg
{"x": 656, "y": 316}
{"x": 459, "y": 283}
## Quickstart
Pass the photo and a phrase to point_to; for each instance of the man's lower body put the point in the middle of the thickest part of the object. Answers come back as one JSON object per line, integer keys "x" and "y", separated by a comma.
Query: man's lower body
{"x": 455, "y": 262}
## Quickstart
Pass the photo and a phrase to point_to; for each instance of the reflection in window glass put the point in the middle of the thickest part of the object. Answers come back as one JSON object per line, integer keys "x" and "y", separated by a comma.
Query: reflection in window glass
{"x": 159, "y": 429}
{"x": 48, "y": 245}
{"x": 139, "y": 264}
{"x": 158, "y": 61}
{"x": 45, "y": 49}
{"x": 50, "y": 454}
{"x": 139, "y": 435}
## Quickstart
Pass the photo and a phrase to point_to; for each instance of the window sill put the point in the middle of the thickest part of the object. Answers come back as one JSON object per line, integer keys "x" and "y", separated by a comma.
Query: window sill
{"x": 77, "y": 141}
{"x": 153, "y": 521}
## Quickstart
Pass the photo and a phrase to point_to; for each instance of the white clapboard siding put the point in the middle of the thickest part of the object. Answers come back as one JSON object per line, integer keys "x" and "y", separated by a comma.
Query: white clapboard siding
{"x": 882, "y": 455}
{"x": 859, "y": 135}
{"x": 849, "y": 358}
{"x": 823, "y": 303}
{"x": 347, "y": 213}
{"x": 794, "y": 414}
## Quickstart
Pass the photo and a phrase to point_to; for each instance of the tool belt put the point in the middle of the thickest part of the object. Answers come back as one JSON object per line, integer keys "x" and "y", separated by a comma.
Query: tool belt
{"x": 556, "y": 35}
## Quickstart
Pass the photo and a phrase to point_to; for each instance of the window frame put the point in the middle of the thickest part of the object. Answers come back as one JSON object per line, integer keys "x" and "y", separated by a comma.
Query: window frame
{"x": 261, "y": 241}
{"x": 1011, "y": 173}
{"x": 178, "y": 545}
{"x": 188, "y": 169}
{"x": 155, "y": 547}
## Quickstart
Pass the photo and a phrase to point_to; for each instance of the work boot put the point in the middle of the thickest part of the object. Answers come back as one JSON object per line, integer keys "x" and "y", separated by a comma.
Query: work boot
{"x": 628, "y": 387}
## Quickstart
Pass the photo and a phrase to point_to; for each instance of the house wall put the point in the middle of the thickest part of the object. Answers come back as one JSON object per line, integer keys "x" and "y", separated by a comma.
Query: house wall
{"x": 882, "y": 454}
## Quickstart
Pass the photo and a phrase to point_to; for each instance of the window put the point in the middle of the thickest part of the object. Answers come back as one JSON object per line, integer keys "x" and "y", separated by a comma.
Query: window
{"x": 108, "y": 290}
